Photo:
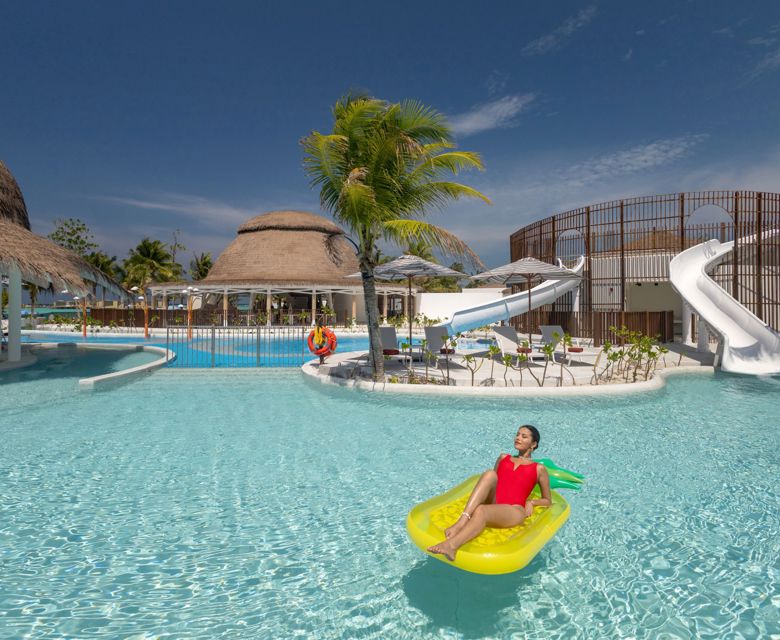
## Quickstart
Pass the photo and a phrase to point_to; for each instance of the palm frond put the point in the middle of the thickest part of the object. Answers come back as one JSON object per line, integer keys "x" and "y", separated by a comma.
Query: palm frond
{"x": 450, "y": 162}
{"x": 422, "y": 123}
{"x": 405, "y": 232}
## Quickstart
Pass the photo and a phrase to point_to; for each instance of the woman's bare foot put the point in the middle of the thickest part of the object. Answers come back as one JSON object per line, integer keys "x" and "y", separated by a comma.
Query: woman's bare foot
{"x": 445, "y": 549}
{"x": 451, "y": 531}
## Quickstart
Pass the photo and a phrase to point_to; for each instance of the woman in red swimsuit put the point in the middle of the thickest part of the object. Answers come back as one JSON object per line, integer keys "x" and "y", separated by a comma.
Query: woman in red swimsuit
{"x": 500, "y": 497}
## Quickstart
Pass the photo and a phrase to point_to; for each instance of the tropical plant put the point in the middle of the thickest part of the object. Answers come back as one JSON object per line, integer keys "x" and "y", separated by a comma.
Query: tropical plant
{"x": 378, "y": 172}
{"x": 397, "y": 321}
{"x": 32, "y": 290}
{"x": 473, "y": 364}
{"x": 105, "y": 263}
{"x": 73, "y": 234}
{"x": 176, "y": 246}
{"x": 522, "y": 359}
{"x": 493, "y": 351}
{"x": 148, "y": 262}
{"x": 200, "y": 265}
{"x": 156, "y": 256}
{"x": 444, "y": 284}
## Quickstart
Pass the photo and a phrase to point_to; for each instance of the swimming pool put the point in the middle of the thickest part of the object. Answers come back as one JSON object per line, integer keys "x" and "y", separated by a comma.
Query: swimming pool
{"x": 251, "y": 504}
{"x": 238, "y": 351}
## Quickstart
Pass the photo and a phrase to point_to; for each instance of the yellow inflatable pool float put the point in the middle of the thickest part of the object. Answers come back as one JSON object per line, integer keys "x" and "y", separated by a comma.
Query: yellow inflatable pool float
{"x": 494, "y": 551}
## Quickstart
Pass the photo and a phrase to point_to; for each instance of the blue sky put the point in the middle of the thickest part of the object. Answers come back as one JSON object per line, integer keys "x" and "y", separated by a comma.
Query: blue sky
{"x": 144, "y": 117}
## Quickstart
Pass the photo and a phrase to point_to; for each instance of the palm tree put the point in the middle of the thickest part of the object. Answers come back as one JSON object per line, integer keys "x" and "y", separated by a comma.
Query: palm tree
{"x": 200, "y": 265}
{"x": 379, "y": 172}
{"x": 33, "y": 290}
{"x": 149, "y": 262}
{"x": 108, "y": 265}
{"x": 421, "y": 249}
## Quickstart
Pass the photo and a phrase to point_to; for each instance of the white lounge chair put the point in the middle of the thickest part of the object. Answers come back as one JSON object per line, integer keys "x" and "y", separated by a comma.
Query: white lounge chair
{"x": 436, "y": 342}
{"x": 390, "y": 349}
{"x": 552, "y": 334}
{"x": 509, "y": 343}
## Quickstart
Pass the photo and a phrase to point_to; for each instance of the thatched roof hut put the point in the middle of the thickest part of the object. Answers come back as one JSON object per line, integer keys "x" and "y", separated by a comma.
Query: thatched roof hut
{"x": 12, "y": 205}
{"x": 40, "y": 261}
{"x": 290, "y": 247}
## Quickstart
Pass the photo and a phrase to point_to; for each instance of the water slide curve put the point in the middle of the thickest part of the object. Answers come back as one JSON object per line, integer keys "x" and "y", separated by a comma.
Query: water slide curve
{"x": 748, "y": 344}
{"x": 514, "y": 305}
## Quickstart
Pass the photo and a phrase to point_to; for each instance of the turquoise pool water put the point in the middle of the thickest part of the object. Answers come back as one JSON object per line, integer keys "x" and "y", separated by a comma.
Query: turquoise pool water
{"x": 241, "y": 352}
{"x": 206, "y": 504}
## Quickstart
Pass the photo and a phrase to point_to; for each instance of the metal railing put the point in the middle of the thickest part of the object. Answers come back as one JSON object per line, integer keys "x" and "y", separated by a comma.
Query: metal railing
{"x": 261, "y": 346}
{"x": 630, "y": 241}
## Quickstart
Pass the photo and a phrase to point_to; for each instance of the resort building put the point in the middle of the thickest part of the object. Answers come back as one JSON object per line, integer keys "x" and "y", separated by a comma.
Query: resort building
{"x": 284, "y": 267}
{"x": 628, "y": 244}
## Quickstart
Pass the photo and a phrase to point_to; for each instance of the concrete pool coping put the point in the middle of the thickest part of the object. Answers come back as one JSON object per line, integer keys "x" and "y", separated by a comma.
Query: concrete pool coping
{"x": 658, "y": 381}
{"x": 166, "y": 355}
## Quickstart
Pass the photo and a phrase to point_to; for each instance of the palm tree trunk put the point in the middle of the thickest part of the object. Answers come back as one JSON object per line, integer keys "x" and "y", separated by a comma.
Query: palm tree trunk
{"x": 146, "y": 320}
{"x": 376, "y": 358}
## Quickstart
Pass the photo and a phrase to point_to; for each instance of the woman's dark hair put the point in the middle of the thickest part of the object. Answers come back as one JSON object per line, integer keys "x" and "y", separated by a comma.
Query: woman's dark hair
{"x": 534, "y": 434}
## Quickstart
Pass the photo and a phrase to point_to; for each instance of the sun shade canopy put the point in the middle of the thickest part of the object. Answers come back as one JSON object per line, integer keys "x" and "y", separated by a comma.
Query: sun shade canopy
{"x": 525, "y": 269}
{"x": 408, "y": 266}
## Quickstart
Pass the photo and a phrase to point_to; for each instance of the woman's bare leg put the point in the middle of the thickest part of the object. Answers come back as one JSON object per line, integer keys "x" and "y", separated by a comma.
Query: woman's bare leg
{"x": 485, "y": 515}
{"x": 484, "y": 492}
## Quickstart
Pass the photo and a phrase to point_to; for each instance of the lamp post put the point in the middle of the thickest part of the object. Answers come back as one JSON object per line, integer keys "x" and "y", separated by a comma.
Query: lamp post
{"x": 83, "y": 315}
{"x": 189, "y": 291}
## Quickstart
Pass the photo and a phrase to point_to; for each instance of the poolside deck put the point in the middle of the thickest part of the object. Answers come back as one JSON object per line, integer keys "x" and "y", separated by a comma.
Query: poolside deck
{"x": 492, "y": 372}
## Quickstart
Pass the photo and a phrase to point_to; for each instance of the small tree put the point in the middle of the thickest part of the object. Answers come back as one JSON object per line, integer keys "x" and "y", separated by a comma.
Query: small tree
{"x": 200, "y": 265}
{"x": 493, "y": 351}
{"x": 73, "y": 234}
{"x": 473, "y": 364}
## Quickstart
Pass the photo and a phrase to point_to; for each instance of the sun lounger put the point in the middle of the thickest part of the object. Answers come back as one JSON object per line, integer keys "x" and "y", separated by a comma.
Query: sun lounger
{"x": 552, "y": 334}
{"x": 389, "y": 340}
{"x": 509, "y": 343}
{"x": 436, "y": 342}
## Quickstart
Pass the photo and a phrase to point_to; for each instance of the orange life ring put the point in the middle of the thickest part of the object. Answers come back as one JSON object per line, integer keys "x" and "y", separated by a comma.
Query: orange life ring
{"x": 328, "y": 347}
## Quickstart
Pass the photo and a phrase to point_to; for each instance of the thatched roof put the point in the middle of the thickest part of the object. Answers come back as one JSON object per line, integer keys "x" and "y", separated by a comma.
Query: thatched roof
{"x": 286, "y": 247}
{"x": 12, "y": 205}
{"x": 46, "y": 264}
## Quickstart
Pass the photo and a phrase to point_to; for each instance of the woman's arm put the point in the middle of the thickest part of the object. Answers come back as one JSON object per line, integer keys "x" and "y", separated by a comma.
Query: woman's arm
{"x": 543, "y": 480}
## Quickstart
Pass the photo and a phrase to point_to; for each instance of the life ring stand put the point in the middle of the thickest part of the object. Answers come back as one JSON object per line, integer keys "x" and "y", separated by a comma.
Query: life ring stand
{"x": 325, "y": 349}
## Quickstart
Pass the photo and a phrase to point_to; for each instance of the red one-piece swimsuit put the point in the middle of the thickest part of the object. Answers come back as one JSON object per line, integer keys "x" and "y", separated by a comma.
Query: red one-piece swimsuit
{"x": 514, "y": 485}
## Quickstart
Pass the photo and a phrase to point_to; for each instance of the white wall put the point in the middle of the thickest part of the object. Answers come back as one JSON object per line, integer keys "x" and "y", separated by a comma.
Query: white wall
{"x": 653, "y": 297}
{"x": 443, "y": 305}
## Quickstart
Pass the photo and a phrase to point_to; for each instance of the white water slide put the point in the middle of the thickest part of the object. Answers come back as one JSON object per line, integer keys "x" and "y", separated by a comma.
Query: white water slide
{"x": 747, "y": 343}
{"x": 514, "y": 305}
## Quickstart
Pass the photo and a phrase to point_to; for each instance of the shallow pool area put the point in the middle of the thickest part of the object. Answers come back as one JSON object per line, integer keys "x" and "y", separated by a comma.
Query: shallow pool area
{"x": 252, "y": 504}
{"x": 273, "y": 348}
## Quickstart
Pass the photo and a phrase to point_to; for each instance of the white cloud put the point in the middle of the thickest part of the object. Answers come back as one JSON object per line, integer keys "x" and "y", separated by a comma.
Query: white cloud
{"x": 491, "y": 115}
{"x": 202, "y": 209}
{"x": 633, "y": 160}
{"x": 762, "y": 42}
{"x": 553, "y": 39}
{"x": 770, "y": 62}
{"x": 539, "y": 188}
{"x": 628, "y": 55}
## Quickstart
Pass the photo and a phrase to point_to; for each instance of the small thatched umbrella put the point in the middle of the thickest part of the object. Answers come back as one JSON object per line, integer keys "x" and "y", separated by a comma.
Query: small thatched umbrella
{"x": 526, "y": 269}
{"x": 40, "y": 261}
{"x": 49, "y": 266}
{"x": 407, "y": 267}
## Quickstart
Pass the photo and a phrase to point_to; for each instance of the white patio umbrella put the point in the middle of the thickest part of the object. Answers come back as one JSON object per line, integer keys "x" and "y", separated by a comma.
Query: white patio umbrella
{"x": 407, "y": 267}
{"x": 526, "y": 269}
